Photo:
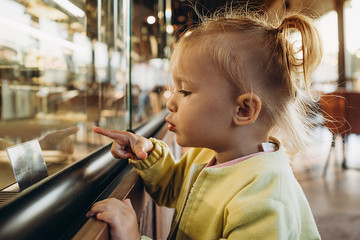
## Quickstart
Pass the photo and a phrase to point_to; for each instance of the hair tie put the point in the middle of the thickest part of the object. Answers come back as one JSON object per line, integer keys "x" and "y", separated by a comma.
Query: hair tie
{"x": 276, "y": 31}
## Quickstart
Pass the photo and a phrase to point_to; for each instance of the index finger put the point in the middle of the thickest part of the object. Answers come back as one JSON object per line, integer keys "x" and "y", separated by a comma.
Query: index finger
{"x": 108, "y": 133}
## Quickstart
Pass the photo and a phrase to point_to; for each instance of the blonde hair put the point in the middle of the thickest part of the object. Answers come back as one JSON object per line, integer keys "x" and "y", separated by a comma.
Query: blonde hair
{"x": 255, "y": 54}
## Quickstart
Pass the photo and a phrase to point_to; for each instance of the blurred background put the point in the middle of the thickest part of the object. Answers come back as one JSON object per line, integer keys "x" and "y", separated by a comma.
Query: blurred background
{"x": 76, "y": 64}
{"x": 69, "y": 65}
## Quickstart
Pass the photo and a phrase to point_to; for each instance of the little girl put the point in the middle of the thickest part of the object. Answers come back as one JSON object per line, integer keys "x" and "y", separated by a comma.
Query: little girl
{"x": 238, "y": 80}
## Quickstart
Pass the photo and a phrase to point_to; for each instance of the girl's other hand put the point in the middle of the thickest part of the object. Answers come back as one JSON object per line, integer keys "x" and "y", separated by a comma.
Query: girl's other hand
{"x": 127, "y": 144}
{"x": 120, "y": 216}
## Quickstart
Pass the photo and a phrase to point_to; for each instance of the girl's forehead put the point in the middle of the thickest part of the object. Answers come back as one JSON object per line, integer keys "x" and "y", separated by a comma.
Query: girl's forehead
{"x": 195, "y": 57}
{"x": 192, "y": 68}
{"x": 191, "y": 62}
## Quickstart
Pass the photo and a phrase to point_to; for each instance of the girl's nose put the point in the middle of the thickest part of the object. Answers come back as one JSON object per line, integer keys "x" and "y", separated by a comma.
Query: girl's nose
{"x": 171, "y": 104}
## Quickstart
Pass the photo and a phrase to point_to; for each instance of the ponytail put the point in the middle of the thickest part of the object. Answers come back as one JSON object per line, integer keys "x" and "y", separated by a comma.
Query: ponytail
{"x": 310, "y": 49}
{"x": 298, "y": 62}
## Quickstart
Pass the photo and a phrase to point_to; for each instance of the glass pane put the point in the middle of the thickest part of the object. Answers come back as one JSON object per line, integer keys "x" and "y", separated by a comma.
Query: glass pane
{"x": 64, "y": 67}
{"x": 352, "y": 42}
{"x": 152, "y": 36}
{"x": 326, "y": 75}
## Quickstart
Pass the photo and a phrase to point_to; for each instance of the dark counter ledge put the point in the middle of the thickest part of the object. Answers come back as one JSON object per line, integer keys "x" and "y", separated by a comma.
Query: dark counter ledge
{"x": 55, "y": 207}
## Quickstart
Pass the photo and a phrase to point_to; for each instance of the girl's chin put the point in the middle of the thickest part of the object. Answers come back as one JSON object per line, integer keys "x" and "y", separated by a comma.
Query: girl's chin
{"x": 182, "y": 142}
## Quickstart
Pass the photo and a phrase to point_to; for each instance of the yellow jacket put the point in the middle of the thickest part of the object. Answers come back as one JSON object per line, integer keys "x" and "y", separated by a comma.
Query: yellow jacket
{"x": 258, "y": 198}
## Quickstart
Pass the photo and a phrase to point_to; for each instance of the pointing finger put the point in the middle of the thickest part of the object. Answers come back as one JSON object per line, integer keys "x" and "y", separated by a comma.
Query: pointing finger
{"x": 110, "y": 133}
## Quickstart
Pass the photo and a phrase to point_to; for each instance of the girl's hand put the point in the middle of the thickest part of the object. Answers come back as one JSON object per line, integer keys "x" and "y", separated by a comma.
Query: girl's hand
{"x": 120, "y": 216}
{"x": 127, "y": 144}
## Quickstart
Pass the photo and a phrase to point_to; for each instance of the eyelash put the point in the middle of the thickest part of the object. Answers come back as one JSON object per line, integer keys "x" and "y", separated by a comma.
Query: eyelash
{"x": 185, "y": 93}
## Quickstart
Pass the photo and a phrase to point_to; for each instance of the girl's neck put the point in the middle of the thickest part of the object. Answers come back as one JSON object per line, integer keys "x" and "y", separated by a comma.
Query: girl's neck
{"x": 240, "y": 148}
{"x": 222, "y": 157}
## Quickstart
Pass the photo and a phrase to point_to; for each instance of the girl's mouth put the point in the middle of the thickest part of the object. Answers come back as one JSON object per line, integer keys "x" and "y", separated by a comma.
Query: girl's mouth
{"x": 171, "y": 127}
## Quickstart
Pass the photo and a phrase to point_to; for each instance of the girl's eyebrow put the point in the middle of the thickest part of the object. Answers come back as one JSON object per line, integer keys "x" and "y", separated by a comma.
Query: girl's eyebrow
{"x": 183, "y": 83}
{"x": 182, "y": 79}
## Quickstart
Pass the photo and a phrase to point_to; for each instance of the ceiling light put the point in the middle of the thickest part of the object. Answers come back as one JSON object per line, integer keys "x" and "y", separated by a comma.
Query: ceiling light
{"x": 72, "y": 8}
{"x": 150, "y": 19}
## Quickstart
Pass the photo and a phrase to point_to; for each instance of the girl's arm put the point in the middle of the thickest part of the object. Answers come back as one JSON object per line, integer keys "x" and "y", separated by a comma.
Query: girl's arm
{"x": 162, "y": 175}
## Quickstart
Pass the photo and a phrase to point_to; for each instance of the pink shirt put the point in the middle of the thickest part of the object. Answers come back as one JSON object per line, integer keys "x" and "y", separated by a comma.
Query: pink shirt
{"x": 267, "y": 148}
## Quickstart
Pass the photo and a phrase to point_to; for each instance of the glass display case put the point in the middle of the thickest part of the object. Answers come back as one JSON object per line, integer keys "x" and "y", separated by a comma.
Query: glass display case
{"x": 66, "y": 66}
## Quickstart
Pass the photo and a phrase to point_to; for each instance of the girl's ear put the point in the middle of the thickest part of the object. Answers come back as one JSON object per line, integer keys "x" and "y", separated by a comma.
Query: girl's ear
{"x": 247, "y": 109}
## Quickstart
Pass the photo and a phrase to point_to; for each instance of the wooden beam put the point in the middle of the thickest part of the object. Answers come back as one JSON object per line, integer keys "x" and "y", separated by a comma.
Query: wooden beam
{"x": 339, "y": 5}
{"x": 131, "y": 185}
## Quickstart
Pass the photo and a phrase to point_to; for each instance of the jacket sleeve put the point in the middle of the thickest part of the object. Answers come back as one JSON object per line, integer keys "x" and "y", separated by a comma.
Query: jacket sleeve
{"x": 161, "y": 174}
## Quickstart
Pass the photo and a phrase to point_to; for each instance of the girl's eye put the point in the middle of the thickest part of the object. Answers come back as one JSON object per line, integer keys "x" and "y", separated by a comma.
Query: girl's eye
{"x": 185, "y": 93}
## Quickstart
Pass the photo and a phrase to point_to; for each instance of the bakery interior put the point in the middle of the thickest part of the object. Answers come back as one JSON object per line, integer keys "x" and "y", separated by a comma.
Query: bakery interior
{"x": 69, "y": 65}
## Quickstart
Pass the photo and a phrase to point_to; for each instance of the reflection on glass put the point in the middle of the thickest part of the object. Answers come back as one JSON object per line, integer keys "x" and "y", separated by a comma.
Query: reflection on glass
{"x": 66, "y": 66}
{"x": 150, "y": 52}
{"x": 60, "y": 76}
{"x": 149, "y": 80}
{"x": 59, "y": 140}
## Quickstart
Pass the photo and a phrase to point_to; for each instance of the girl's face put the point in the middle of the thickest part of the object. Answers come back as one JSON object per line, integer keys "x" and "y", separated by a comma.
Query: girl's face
{"x": 201, "y": 107}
